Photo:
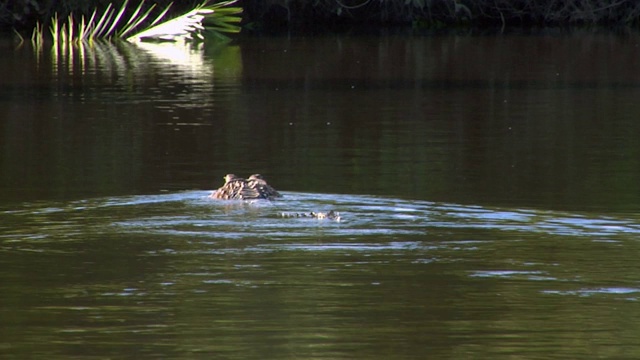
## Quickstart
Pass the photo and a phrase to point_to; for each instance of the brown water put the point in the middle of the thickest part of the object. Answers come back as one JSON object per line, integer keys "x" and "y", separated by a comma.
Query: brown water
{"x": 487, "y": 187}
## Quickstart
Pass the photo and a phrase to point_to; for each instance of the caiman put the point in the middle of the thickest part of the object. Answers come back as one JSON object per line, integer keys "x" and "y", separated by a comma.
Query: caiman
{"x": 256, "y": 187}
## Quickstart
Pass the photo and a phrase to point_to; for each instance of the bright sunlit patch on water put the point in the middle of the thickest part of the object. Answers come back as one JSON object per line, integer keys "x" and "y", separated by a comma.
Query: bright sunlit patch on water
{"x": 357, "y": 247}
{"x": 596, "y": 291}
{"x": 505, "y": 273}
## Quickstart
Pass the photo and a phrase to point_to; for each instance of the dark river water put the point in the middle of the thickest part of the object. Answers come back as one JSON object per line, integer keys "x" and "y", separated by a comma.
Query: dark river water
{"x": 487, "y": 187}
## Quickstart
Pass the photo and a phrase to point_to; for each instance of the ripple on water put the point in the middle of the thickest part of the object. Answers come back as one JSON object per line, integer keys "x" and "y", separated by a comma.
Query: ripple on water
{"x": 361, "y": 216}
{"x": 192, "y": 214}
{"x": 590, "y": 292}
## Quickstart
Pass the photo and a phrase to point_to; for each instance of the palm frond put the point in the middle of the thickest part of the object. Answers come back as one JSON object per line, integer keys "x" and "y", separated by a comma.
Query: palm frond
{"x": 54, "y": 27}
{"x": 82, "y": 29}
{"x": 102, "y": 23}
{"x": 36, "y": 35}
{"x": 190, "y": 25}
{"x": 135, "y": 20}
{"x": 115, "y": 21}
{"x": 90, "y": 24}
{"x": 161, "y": 16}
{"x": 182, "y": 26}
{"x": 226, "y": 19}
{"x": 111, "y": 22}
{"x": 70, "y": 27}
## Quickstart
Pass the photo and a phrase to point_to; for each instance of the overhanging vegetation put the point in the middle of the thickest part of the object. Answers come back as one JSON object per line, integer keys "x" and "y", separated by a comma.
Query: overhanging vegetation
{"x": 322, "y": 14}
{"x": 142, "y": 23}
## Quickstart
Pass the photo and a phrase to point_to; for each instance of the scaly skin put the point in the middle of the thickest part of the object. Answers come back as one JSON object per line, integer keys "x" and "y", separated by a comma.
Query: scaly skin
{"x": 237, "y": 188}
{"x": 331, "y": 215}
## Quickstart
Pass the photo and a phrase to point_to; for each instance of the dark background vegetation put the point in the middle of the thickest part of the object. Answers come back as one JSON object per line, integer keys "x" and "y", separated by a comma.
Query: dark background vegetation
{"x": 288, "y": 14}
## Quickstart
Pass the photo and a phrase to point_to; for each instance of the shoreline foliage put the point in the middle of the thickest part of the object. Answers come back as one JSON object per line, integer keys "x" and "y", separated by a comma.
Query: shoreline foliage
{"x": 437, "y": 13}
{"x": 326, "y": 14}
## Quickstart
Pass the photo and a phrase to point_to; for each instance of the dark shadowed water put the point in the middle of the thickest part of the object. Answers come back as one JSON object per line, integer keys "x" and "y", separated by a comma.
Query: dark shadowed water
{"x": 487, "y": 188}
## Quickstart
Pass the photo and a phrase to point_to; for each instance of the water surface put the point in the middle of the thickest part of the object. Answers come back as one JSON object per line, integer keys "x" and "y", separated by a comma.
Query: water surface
{"x": 487, "y": 187}
{"x": 181, "y": 275}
